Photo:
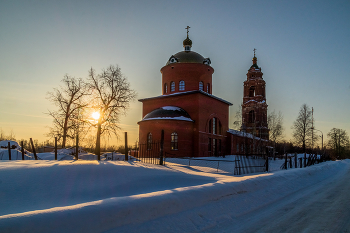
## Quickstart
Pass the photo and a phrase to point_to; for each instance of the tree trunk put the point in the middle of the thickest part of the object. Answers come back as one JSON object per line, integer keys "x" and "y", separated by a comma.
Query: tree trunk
{"x": 64, "y": 136}
{"x": 98, "y": 141}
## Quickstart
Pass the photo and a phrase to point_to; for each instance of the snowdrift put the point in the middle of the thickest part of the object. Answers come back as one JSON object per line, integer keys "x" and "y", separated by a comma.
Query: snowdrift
{"x": 167, "y": 197}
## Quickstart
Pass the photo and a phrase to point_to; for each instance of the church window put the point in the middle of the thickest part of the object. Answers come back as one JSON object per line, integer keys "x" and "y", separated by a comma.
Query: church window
{"x": 172, "y": 86}
{"x": 252, "y": 91}
{"x": 251, "y": 116}
{"x": 237, "y": 147}
{"x": 210, "y": 126}
{"x": 165, "y": 88}
{"x": 201, "y": 86}
{"x": 214, "y": 125}
{"x": 174, "y": 141}
{"x": 214, "y": 147}
{"x": 242, "y": 148}
{"x": 182, "y": 85}
{"x": 149, "y": 141}
{"x": 208, "y": 88}
{"x": 209, "y": 145}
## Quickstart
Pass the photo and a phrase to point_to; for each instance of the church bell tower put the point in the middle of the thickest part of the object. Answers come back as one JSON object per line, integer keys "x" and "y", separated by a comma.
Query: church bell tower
{"x": 254, "y": 106}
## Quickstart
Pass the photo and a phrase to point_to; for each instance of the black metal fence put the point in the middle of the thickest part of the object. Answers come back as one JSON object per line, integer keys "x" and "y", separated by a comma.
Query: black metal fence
{"x": 293, "y": 161}
{"x": 148, "y": 153}
{"x": 251, "y": 164}
{"x": 239, "y": 165}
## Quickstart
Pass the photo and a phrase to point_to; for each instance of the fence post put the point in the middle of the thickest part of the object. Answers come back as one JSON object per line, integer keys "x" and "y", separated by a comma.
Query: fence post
{"x": 33, "y": 148}
{"x": 126, "y": 147}
{"x": 22, "y": 150}
{"x": 9, "y": 149}
{"x": 267, "y": 164}
{"x": 304, "y": 159}
{"x": 296, "y": 160}
{"x": 76, "y": 147}
{"x": 285, "y": 161}
{"x": 55, "y": 148}
{"x": 161, "y": 148}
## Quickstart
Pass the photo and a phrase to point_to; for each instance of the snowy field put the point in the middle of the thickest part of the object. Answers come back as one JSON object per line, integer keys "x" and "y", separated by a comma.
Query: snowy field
{"x": 118, "y": 196}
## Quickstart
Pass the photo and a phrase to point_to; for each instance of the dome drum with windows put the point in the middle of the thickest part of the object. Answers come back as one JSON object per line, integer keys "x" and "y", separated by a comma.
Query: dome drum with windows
{"x": 187, "y": 71}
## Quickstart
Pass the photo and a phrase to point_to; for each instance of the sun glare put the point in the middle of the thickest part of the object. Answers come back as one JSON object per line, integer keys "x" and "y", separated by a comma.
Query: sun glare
{"x": 95, "y": 115}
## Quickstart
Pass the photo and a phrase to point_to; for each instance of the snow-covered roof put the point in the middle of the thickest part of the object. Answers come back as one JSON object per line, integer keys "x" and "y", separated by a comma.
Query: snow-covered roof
{"x": 186, "y": 93}
{"x": 168, "y": 113}
{"x": 244, "y": 134}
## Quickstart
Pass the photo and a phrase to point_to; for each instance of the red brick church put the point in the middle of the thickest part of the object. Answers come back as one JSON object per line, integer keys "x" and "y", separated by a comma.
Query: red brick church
{"x": 196, "y": 122}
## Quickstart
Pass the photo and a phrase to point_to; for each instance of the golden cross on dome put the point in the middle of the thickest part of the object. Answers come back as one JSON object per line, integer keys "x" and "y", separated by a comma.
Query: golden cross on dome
{"x": 254, "y": 51}
{"x": 188, "y": 27}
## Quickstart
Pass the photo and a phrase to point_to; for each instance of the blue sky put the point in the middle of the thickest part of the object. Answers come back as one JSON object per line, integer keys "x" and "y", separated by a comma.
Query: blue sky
{"x": 302, "y": 47}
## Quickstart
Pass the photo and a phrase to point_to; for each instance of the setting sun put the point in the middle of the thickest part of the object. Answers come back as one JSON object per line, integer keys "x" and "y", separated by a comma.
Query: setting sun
{"x": 95, "y": 115}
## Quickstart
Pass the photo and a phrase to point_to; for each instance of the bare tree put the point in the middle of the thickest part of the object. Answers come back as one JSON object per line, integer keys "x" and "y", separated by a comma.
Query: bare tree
{"x": 11, "y": 136}
{"x": 69, "y": 100}
{"x": 237, "y": 124}
{"x": 302, "y": 127}
{"x": 338, "y": 142}
{"x": 111, "y": 97}
{"x": 275, "y": 123}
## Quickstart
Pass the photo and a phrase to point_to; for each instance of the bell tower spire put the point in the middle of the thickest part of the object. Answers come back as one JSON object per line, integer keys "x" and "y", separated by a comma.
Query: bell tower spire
{"x": 254, "y": 58}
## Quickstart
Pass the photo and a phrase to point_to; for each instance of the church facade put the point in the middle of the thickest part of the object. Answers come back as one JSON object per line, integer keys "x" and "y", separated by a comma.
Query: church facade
{"x": 196, "y": 122}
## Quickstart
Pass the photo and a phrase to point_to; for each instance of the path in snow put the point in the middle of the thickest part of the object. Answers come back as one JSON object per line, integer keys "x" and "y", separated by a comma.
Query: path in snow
{"x": 321, "y": 207}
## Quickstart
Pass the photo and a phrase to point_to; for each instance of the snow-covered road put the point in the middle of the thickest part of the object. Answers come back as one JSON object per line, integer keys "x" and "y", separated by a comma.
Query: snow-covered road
{"x": 320, "y": 207}
{"x": 81, "y": 196}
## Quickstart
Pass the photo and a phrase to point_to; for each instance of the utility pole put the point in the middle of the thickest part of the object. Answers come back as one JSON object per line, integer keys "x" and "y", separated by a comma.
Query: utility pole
{"x": 312, "y": 132}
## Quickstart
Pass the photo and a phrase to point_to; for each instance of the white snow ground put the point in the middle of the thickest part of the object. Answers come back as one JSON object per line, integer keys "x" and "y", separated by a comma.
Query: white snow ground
{"x": 117, "y": 196}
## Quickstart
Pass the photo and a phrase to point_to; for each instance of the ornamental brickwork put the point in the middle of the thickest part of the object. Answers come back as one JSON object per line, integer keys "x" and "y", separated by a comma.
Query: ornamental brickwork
{"x": 254, "y": 106}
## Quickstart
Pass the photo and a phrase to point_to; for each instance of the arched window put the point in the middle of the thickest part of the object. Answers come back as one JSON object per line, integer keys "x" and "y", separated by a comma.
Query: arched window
{"x": 165, "y": 88}
{"x": 208, "y": 88}
{"x": 149, "y": 141}
{"x": 210, "y": 126}
{"x": 182, "y": 85}
{"x": 201, "y": 86}
{"x": 172, "y": 86}
{"x": 215, "y": 126}
{"x": 251, "y": 116}
{"x": 174, "y": 141}
{"x": 215, "y": 147}
{"x": 252, "y": 91}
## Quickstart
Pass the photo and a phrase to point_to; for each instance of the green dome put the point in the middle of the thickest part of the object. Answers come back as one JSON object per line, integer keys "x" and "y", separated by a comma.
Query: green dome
{"x": 187, "y": 57}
